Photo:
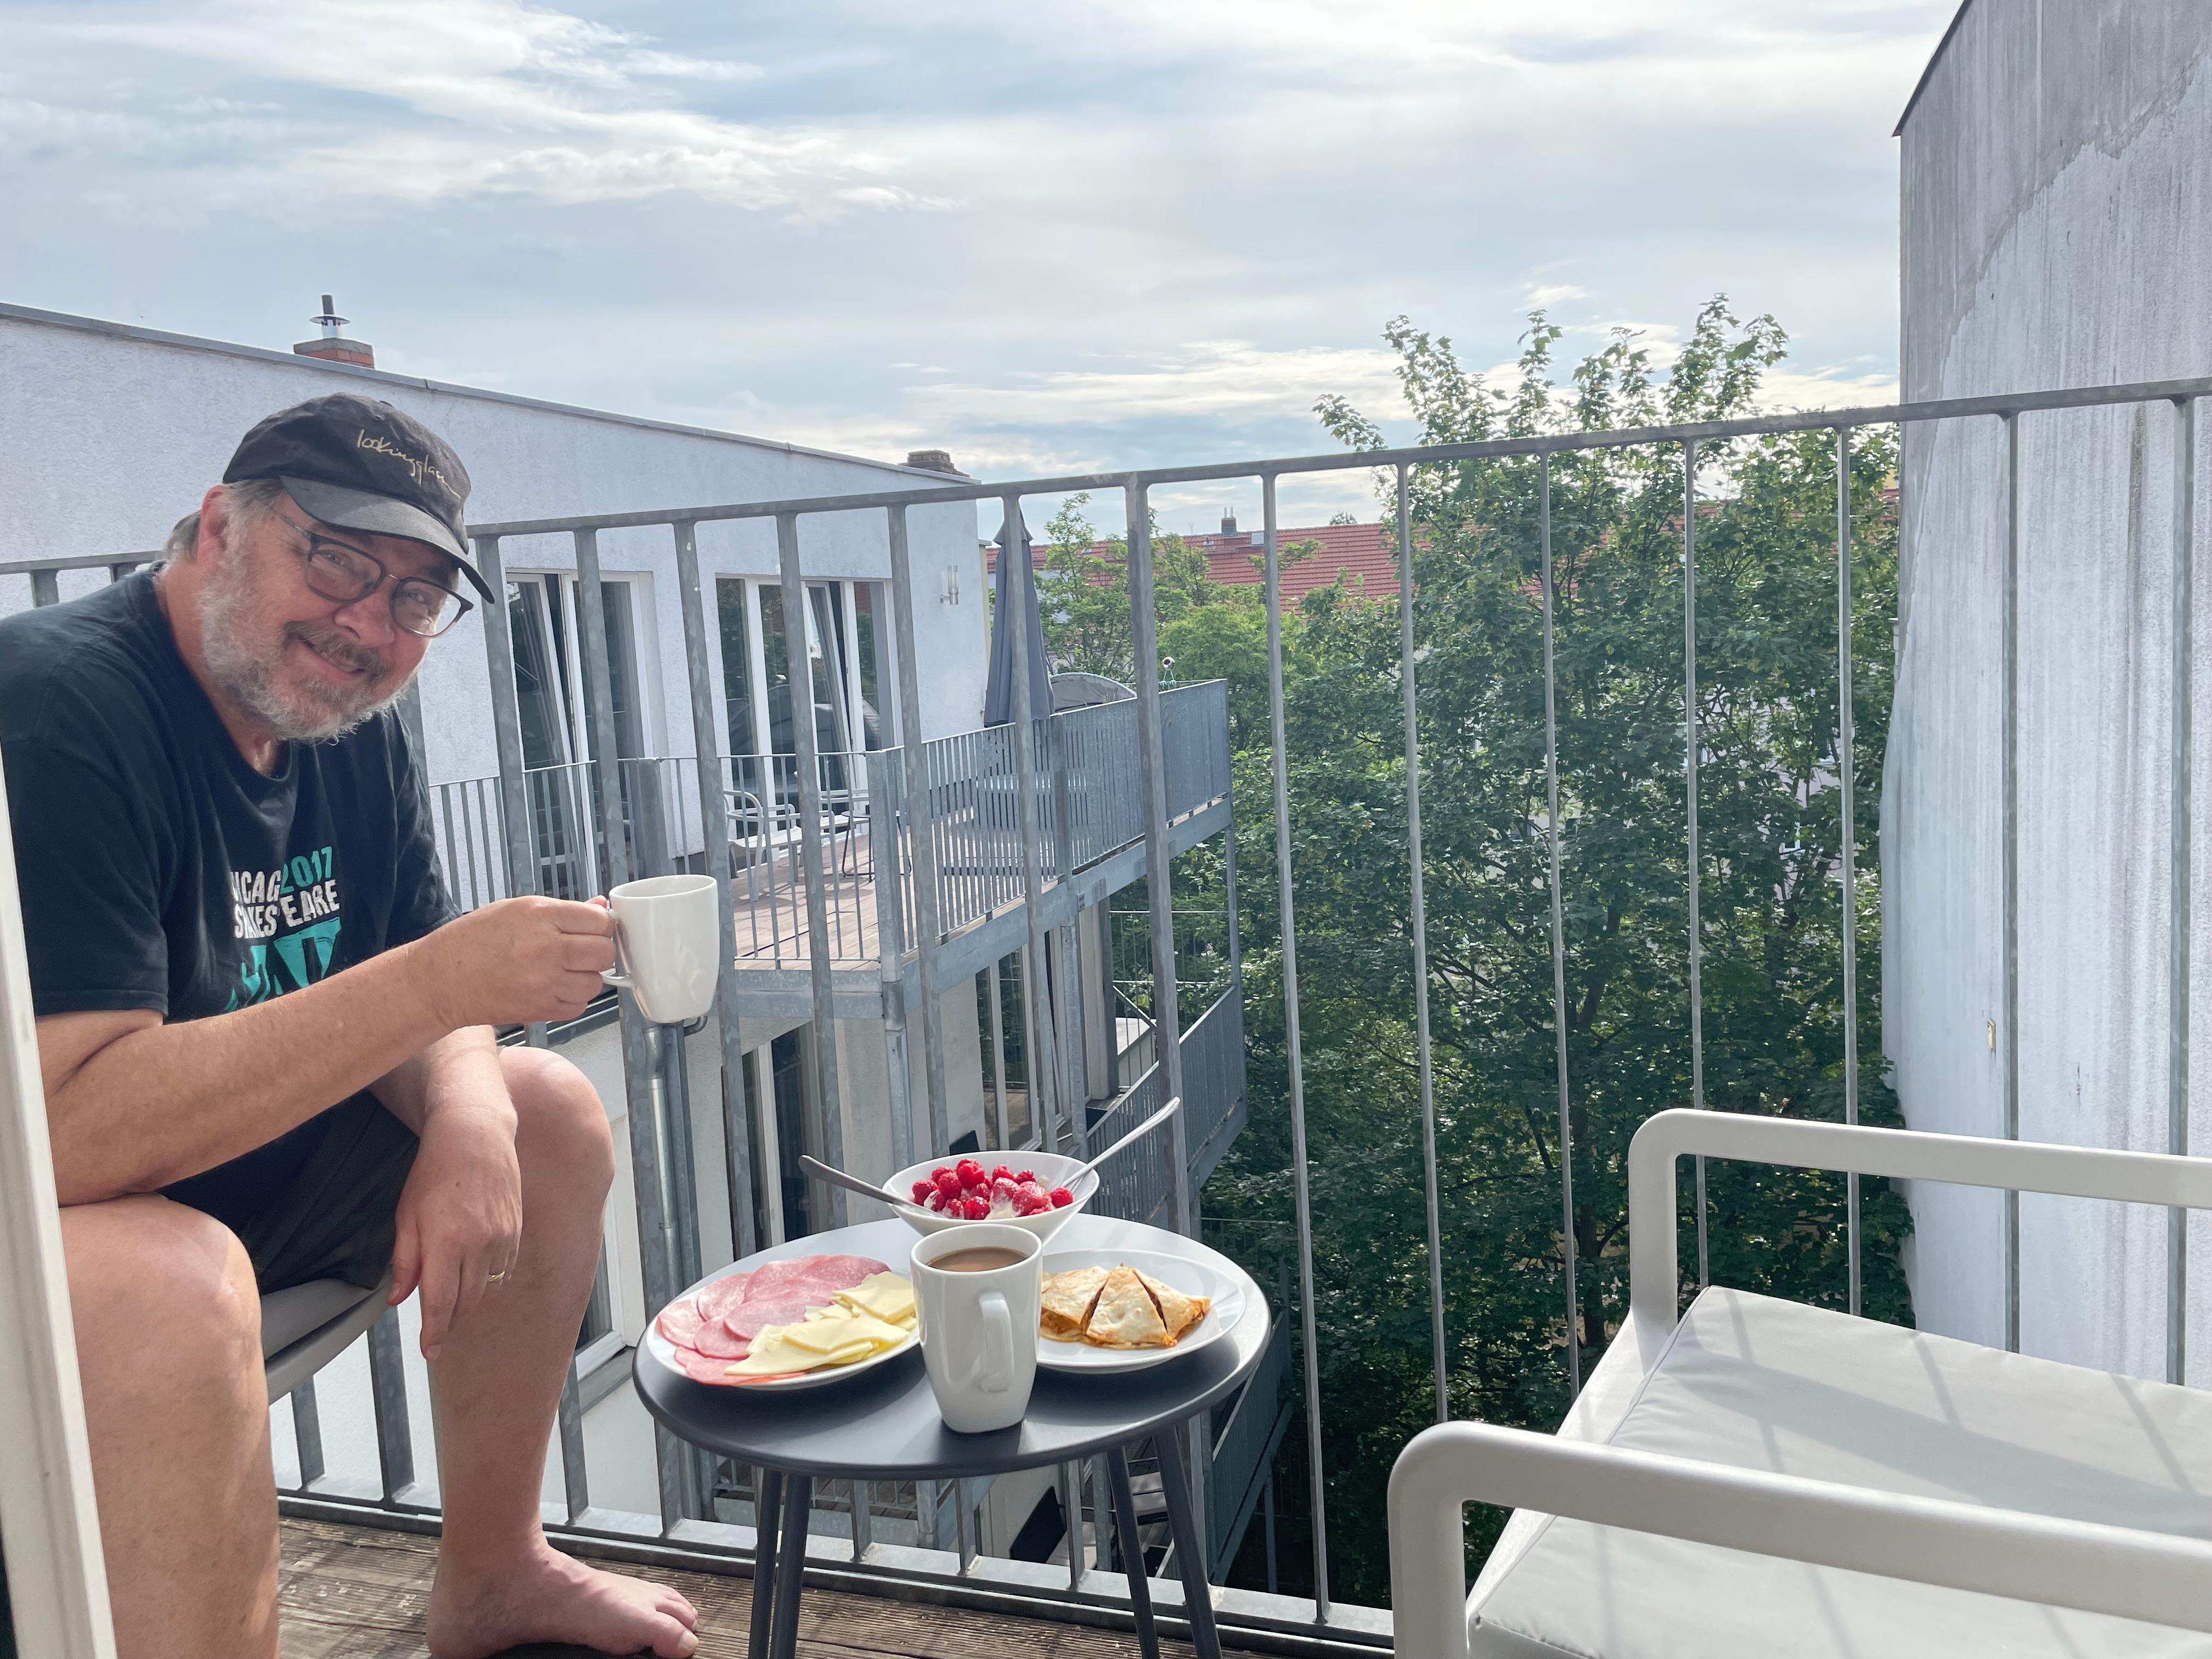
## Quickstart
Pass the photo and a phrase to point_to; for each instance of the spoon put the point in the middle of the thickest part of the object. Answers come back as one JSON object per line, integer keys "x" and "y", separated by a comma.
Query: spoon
{"x": 836, "y": 1177}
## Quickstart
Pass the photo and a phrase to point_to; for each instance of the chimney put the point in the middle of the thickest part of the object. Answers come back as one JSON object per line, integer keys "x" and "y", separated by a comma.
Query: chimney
{"x": 933, "y": 461}
{"x": 1229, "y": 524}
{"x": 333, "y": 347}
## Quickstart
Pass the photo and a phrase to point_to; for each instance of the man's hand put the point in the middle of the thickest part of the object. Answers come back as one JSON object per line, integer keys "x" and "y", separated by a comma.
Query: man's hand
{"x": 460, "y": 1216}
{"x": 519, "y": 960}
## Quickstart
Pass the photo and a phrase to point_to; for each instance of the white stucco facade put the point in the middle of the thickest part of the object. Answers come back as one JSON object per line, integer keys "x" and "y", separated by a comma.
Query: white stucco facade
{"x": 109, "y": 435}
{"x": 2056, "y": 231}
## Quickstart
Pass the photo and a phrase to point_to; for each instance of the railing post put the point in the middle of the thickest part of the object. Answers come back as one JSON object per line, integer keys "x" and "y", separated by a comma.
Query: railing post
{"x": 1567, "y": 1245}
{"x": 2010, "y": 818}
{"x": 1167, "y": 1021}
{"x": 714, "y": 855}
{"x": 387, "y": 1386}
{"x": 1846, "y": 735}
{"x": 2180, "y": 920}
{"x": 1690, "y": 738}
{"x": 1420, "y": 927}
{"x": 1044, "y": 1070}
{"x": 821, "y": 970}
{"x": 890, "y": 946}
{"x": 921, "y": 824}
{"x": 518, "y": 836}
{"x": 655, "y": 1260}
{"x": 1317, "y": 1485}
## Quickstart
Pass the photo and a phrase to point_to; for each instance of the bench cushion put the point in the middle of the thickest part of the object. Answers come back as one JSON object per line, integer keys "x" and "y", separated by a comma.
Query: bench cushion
{"x": 1758, "y": 1383}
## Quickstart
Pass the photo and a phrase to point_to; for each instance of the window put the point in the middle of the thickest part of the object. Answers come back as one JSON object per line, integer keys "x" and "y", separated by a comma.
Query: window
{"x": 553, "y": 688}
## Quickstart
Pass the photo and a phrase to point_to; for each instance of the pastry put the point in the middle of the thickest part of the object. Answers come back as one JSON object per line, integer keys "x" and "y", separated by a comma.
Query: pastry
{"x": 1066, "y": 1302}
{"x": 1125, "y": 1315}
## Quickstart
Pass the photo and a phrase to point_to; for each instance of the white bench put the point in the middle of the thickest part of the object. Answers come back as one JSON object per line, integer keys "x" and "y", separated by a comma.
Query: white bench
{"x": 1756, "y": 1477}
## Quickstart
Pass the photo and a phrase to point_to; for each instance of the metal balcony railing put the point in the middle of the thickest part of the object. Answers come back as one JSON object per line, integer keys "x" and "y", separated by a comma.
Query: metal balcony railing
{"x": 689, "y": 1520}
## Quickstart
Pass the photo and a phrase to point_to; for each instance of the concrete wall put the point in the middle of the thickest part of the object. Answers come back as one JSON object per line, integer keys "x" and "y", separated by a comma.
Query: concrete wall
{"x": 2054, "y": 232}
{"x": 108, "y": 436}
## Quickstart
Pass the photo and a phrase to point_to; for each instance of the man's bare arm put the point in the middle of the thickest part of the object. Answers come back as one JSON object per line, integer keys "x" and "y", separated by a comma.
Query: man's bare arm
{"x": 134, "y": 1104}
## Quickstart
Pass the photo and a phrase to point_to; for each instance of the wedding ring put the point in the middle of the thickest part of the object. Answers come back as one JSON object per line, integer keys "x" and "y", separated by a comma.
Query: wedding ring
{"x": 495, "y": 1278}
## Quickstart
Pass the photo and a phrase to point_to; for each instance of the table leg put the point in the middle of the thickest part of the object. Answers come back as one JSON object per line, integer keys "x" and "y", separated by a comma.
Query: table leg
{"x": 768, "y": 1498}
{"x": 791, "y": 1564}
{"x": 1182, "y": 1520}
{"x": 1130, "y": 1547}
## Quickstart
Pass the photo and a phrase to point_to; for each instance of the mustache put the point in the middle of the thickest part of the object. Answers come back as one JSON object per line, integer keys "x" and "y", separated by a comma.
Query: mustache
{"x": 334, "y": 645}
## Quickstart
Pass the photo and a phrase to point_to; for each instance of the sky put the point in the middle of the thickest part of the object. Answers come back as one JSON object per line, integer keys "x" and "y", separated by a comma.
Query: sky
{"x": 1048, "y": 237}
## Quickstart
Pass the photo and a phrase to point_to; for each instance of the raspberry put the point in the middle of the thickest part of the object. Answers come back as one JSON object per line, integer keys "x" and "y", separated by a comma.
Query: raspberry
{"x": 947, "y": 1183}
{"x": 1027, "y": 1177}
{"x": 936, "y": 1201}
{"x": 971, "y": 1172}
{"x": 1004, "y": 1186}
{"x": 1061, "y": 1198}
{"x": 979, "y": 1209}
{"x": 922, "y": 1189}
{"x": 1002, "y": 1173}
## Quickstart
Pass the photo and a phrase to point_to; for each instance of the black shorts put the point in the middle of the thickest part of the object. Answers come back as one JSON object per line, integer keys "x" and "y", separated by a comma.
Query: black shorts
{"x": 335, "y": 1219}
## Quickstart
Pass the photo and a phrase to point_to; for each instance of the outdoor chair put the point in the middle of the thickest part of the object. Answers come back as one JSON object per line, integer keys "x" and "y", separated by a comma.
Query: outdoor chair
{"x": 1757, "y": 1478}
{"x": 306, "y": 1327}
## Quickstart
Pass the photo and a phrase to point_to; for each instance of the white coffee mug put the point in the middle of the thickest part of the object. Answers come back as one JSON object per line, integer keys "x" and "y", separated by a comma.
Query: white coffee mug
{"x": 979, "y": 1329}
{"x": 668, "y": 936}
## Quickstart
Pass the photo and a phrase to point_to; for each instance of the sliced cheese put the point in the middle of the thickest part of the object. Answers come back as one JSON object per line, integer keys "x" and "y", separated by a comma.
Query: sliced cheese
{"x": 889, "y": 1297}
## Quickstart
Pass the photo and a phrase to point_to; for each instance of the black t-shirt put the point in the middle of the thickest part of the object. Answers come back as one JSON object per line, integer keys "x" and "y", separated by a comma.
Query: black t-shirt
{"x": 159, "y": 871}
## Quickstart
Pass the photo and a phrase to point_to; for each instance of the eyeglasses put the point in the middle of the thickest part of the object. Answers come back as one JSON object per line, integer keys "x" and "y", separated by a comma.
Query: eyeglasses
{"x": 346, "y": 575}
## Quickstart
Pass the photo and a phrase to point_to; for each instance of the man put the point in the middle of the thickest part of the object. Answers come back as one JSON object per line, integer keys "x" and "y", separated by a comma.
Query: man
{"x": 267, "y": 1040}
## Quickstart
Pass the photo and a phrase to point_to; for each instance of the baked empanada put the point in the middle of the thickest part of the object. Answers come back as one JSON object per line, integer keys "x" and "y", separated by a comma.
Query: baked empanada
{"x": 1178, "y": 1312}
{"x": 1125, "y": 1315}
{"x": 1066, "y": 1302}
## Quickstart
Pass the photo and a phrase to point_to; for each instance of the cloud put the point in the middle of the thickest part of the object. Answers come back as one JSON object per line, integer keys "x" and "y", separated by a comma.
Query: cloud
{"x": 456, "y": 99}
{"x": 1227, "y": 381}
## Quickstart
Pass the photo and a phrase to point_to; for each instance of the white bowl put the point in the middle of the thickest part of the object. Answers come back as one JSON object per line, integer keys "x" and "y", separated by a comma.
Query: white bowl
{"x": 1051, "y": 1170}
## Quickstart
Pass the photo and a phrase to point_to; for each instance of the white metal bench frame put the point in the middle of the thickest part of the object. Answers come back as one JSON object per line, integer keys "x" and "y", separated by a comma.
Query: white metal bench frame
{"x": 2155, "y": 1577}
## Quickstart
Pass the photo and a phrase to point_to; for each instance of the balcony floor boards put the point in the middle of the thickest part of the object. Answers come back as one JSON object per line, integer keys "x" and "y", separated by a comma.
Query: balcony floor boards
{"x": 359, "y": 1592}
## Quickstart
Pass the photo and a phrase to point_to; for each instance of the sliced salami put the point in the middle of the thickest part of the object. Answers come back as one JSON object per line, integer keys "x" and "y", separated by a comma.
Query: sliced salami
{"x": 702, "y": 1369}
{"x": 787, "y": 1306}
{"x": 680, "y": 1323}
{"x": 841, "y": 1272}
{"x": 717, "y": 1301}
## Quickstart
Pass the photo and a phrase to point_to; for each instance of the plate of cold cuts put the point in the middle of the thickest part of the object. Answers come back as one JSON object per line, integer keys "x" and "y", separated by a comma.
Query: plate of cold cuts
{"x": 802, "y": 1322}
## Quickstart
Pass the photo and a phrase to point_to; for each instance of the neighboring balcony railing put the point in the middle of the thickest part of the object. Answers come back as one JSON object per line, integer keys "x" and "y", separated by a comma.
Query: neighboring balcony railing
{"x": 1087, "y": 783}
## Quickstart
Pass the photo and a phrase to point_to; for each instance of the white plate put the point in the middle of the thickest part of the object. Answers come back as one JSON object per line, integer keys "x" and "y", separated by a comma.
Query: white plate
{"x": 665, "y": 1350}
{"x": 1191, "y": 1277}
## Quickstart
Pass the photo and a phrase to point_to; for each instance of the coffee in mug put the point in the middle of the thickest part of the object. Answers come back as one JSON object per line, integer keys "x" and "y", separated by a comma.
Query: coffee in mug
{"x": 976, "y": 1262}
{"x": 976, "y": 1290}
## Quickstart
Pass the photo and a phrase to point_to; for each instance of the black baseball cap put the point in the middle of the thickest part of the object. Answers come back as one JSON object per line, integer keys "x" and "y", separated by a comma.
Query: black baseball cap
{"x": 359, "y": 464}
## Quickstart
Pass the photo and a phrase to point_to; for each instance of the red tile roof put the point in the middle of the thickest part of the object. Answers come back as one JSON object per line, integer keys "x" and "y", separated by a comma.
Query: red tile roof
{"x": 1366, "y": 552}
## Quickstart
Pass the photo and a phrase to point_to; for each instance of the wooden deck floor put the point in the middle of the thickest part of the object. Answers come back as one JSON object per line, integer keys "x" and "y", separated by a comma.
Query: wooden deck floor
{"x": 359, "y": 1593}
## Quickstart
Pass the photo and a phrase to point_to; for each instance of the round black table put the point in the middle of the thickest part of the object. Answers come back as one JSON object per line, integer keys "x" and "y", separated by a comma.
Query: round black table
{"x": 884, "y": 1425}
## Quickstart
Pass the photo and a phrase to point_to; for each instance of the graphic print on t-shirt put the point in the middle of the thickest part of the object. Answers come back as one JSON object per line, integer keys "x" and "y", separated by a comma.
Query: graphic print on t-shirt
{"x": 288, "y": 919}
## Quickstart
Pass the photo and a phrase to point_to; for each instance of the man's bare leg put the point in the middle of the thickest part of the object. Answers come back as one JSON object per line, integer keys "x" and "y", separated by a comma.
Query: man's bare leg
{"x": 498, "y": 1384}
{"x": 168, "y": 1342}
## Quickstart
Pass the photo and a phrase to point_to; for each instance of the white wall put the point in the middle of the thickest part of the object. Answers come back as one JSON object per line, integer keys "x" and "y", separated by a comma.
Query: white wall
{"x": 2055, "y": 233}
{"x": 108, "y": 436}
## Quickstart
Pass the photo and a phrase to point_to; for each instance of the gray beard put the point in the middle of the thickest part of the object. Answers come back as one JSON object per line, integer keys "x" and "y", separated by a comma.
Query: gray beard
{"x": 329, "y": 713}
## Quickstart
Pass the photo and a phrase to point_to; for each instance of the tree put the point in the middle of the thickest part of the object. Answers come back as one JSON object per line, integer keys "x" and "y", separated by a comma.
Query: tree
{"x": 1083, "y": 591}
{"x": 1771, "y": 914}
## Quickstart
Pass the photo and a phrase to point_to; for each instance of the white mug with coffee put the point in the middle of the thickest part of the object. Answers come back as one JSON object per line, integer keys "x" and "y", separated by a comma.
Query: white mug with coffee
{"x": 668, "y": 936}
{"x": 976, "y": 1289}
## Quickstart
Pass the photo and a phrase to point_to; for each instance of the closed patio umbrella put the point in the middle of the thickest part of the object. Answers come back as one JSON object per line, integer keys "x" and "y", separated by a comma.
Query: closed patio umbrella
{"x": 1015, "y": 593}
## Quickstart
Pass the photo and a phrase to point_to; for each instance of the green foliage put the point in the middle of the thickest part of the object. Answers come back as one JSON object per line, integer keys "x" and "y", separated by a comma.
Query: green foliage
{"x": 1771, "y": 827}
{"x": 1082, "y": 594}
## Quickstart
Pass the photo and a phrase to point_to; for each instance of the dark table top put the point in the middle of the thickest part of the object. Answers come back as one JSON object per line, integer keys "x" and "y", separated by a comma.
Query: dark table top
{"x": 884, "y": 1423}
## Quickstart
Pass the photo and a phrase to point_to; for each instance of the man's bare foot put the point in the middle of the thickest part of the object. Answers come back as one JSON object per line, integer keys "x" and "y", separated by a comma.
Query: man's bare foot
{"x": 548, "y": 1598}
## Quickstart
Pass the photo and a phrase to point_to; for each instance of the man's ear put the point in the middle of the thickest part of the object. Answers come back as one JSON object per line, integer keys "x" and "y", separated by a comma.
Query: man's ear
{"x": 215, "y": 523}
